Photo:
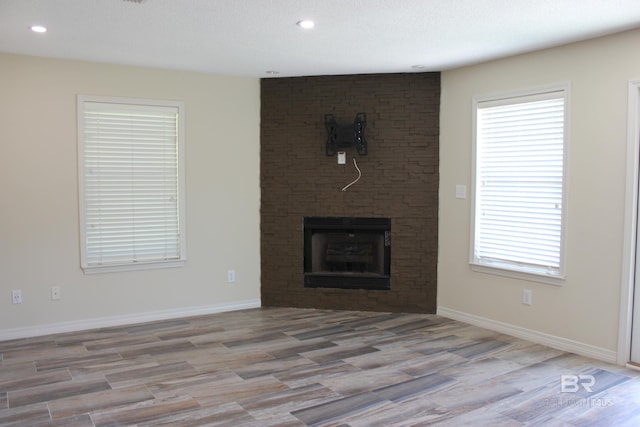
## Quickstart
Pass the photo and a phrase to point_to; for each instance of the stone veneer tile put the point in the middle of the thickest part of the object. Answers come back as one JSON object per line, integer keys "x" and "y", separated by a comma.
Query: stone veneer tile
{"x": 399, "y": 181}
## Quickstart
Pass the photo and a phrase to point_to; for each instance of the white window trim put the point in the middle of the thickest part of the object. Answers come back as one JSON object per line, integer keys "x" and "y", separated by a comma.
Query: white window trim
{"x": 558, "y": 278}
{"x": 141, "y": 265}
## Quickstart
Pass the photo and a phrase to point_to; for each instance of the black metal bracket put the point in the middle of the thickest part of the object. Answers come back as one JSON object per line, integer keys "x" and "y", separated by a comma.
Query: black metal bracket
{"x": 345, "y": 136}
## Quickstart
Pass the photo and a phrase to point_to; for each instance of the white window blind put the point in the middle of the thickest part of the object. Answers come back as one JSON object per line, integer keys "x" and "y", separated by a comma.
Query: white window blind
{"x": 130, "y": 183}
{"x": 519, "y": 183}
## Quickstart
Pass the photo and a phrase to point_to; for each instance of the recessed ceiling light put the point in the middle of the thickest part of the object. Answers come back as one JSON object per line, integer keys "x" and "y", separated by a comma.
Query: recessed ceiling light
{"x": 38, "y": 29}
{"x": 419, "y": 67}
{"x": 272, "y": 72}
{"x": 306, "y": 24}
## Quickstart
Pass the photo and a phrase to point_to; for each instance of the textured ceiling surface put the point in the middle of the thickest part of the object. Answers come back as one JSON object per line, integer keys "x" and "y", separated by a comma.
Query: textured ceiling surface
{"x": 251, "y": 37}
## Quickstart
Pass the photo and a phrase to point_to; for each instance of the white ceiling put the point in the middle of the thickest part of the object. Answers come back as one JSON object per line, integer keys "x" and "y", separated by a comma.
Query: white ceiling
{"x": 250, "y": 37}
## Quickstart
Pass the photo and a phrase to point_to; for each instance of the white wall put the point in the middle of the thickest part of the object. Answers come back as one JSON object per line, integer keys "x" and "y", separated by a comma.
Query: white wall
{"x": 39, "y": 235}
{"x": 584, "y": 312}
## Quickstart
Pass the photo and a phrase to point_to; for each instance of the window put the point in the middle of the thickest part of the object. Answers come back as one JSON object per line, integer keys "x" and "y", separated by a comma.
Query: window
{"x": 130, "y": 155}
{"x": 519, "y": 160}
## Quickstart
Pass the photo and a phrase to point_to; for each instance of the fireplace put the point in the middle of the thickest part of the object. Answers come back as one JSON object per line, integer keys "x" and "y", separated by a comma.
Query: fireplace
{"x": 400, "y": 182}
{"x": 347, "y": 253}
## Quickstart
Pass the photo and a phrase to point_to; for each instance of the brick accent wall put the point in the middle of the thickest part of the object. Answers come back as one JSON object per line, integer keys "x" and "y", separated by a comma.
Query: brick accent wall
{"x": 399, "y": 181}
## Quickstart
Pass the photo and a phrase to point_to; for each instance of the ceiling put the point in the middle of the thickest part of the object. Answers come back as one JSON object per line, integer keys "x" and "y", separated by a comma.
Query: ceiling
{"x": 252, "y": 37}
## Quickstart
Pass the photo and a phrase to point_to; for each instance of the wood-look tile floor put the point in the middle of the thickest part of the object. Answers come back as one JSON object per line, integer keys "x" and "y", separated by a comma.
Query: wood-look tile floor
{"x": 296, "y": 367}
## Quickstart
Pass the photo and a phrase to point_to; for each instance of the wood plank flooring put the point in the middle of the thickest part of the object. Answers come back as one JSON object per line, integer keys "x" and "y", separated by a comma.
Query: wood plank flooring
{"x": 296, "y": 367}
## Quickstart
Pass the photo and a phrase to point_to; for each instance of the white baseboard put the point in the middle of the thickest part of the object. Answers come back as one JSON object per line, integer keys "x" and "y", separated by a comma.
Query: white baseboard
{"x": 531, "y": 335}
{"x": 104, "y": 322}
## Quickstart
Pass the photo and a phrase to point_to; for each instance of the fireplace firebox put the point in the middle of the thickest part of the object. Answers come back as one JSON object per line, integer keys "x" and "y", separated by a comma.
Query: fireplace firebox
{"x": 347, "y": 253}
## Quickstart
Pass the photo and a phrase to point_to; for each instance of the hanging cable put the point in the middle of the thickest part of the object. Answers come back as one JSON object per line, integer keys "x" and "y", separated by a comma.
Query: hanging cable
{"x": 355, "y": 180}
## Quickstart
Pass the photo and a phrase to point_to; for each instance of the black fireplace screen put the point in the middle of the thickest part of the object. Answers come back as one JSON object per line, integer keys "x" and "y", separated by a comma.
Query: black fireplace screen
{"x": 349, "y": 253}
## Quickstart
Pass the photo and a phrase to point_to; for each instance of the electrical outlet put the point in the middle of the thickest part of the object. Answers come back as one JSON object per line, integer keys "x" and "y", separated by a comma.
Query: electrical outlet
{"x": 16, "y": 296}
{"x": 527, "y": 298}
{"x": 55, "y": 293}
{"x": 231, "y": 276}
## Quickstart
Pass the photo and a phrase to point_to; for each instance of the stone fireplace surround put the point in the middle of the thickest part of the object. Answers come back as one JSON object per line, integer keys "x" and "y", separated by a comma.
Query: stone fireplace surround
{"x": 399, "y": 181}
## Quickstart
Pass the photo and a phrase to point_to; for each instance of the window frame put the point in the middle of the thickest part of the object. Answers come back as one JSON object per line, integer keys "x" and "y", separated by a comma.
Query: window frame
{"x": 513, "y": 269}
{"x": 132, "y": 264}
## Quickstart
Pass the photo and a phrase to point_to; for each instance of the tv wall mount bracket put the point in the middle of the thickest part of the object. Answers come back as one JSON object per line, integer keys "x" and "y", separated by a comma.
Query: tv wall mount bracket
{"x": 340, "y": 137}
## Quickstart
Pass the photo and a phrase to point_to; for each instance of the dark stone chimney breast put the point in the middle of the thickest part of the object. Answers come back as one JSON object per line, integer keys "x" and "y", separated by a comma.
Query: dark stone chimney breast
{"x": 398, "y": 183}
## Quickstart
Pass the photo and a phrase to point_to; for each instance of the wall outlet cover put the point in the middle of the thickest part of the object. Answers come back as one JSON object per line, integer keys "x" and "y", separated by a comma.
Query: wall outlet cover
{"x": 342, "y": 157}
{"x": 231, "y": 276}
{"x": 16, "y": 296}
